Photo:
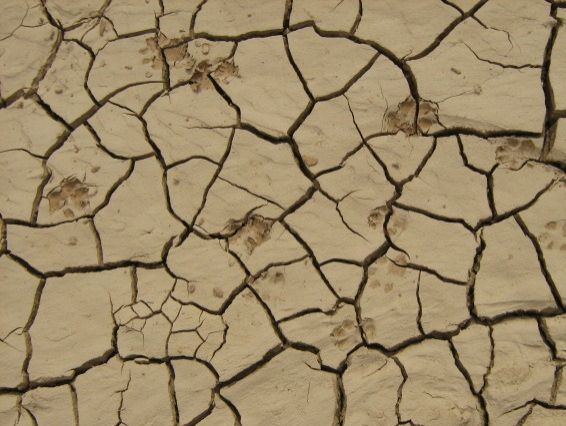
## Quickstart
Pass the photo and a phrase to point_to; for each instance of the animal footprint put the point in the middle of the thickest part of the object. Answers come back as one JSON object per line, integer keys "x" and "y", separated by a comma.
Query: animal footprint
{"x": 153, "y": 52}
{"x": 368, "y": 326}
{"x": 344, "y": 335}
{"x": 377, "y": 216}
{"x": 198, "y": 59}
{"x": 226, "y": 71}
{"x": 397, "y": 224}
{"x": 254, "y": 233}
{"x": 553, "y": 236}
{"x": 514, "y": 152}
{"x": 72, "y": 195}
{"x": 402, "y": 118}
{"x": 428, "y": 116}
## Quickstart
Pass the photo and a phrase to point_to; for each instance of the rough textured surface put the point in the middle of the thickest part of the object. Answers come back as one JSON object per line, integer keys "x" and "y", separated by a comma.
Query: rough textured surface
{"x": 282, "y": 212}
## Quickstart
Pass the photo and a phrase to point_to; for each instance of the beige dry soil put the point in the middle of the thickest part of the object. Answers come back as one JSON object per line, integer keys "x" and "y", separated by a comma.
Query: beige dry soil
{"x": 282, "y": 212}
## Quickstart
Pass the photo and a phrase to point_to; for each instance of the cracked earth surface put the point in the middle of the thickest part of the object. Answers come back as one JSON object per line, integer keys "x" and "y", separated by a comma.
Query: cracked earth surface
{"x": 282, "y": 212}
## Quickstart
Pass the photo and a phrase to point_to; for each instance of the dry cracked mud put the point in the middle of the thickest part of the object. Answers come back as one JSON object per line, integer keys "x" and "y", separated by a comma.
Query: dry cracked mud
{"x": 282, "y": 212}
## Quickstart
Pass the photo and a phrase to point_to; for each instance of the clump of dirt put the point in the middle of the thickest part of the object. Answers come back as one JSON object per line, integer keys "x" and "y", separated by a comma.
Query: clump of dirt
{"x": 310, "y": 161}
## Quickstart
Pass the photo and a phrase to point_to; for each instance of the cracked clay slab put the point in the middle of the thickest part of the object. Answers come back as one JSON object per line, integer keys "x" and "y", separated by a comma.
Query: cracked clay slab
{"x": 283, "y": 212}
